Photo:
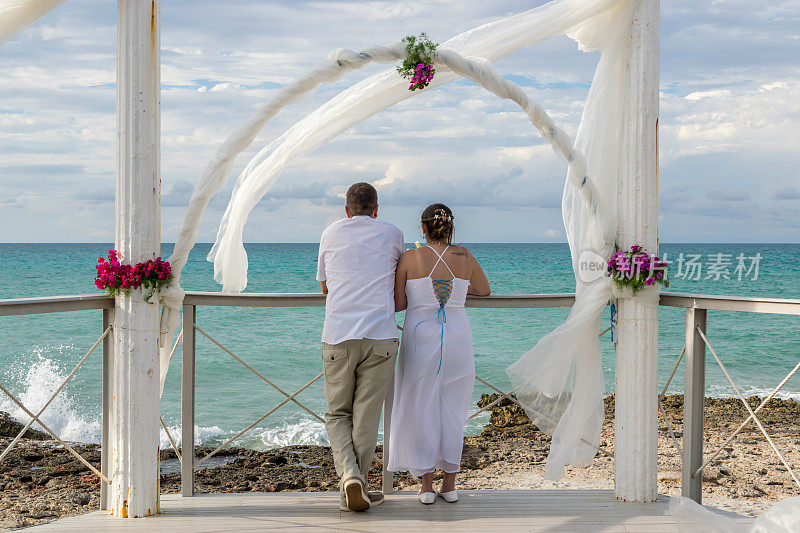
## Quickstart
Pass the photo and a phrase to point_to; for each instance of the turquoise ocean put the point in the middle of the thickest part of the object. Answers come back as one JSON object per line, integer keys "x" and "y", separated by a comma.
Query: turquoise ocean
{"x": 38, "y": 351}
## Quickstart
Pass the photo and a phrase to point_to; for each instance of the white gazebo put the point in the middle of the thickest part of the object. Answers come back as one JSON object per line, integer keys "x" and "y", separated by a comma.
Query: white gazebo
{"x": 131, "y": 437}
{"x": 134, "y": 386}
{"x": 135, "y": 409}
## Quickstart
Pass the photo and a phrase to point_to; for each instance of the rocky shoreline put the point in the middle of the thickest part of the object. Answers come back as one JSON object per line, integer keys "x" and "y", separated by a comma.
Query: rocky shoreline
{"x": 40, "y": 481}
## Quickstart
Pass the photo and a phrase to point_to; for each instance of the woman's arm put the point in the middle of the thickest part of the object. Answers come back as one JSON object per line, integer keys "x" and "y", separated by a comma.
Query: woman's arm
{"x": 478, "y": 284}
{"x": 400, "y": 277}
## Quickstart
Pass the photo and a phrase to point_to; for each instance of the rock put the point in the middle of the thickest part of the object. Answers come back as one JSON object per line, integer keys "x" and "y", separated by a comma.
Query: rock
{"x": 504, "y": 413}
{"x": 10, "y": 428}
{"x": 712, "y": 474}
{"x": 673, "y": 477}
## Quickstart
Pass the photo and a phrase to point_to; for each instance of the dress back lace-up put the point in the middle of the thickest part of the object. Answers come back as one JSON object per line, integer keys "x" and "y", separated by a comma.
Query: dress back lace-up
{"x": 435, "y": 376}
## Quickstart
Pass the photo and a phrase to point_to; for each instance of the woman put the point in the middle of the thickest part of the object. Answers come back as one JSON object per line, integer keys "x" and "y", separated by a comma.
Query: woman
{"x": 436, "y": 371}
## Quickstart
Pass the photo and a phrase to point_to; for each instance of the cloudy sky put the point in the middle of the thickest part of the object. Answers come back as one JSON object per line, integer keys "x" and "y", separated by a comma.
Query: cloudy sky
{"x": 729, "y": 126}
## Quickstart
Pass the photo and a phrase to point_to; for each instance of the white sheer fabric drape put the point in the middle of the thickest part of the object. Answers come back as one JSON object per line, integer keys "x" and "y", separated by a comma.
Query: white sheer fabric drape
{"x": 16, "y": 15}
{"x": 560, "y": 381}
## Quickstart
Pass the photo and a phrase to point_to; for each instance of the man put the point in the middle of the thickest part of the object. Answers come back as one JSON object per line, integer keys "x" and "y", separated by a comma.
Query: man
{"x": 357, "y": 261}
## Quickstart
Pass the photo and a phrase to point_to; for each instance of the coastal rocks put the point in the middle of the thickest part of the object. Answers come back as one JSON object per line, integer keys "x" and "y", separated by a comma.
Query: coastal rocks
{"x": 10, "y": 428}
{"x": 293, "y": 468}
{"x": 504, "y": 413}
{"x": 41, "y": 481}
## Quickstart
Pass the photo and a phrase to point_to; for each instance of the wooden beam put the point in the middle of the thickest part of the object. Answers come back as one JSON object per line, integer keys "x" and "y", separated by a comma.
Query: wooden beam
{"x": 55, "y": 304}
{"x": 134, "y": 414}
{"x": 636, "y": 364}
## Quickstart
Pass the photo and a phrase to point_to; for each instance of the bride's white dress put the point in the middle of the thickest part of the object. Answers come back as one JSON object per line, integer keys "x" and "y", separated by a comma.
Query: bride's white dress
{"x": 435, "y": 377}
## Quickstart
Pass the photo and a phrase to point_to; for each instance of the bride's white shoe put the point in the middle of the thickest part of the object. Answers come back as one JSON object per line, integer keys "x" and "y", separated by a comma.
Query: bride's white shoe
{"x": 427, "y": 497}
{"x": 449, "y": 497}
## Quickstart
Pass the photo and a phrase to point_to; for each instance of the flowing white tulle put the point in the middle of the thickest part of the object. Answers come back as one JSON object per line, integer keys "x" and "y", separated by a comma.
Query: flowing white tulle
{"x": 16, "y": 15}
{"x": 491, "y": 41}
{"x": 560, "y": 381}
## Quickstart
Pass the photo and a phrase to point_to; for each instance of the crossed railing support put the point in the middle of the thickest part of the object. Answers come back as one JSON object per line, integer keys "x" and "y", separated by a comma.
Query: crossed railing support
{"x": 750, "y": 410}
{"x": 694, "y": 462}
{"x": 663, "y": 411}
{"x": 189, "y": 465}
{"x": 35, "y": 418}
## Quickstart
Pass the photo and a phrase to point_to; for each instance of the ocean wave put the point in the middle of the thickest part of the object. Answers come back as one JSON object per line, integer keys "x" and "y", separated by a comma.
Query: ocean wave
{"x": 723, "y": 391}
{"x": 304, "y": 432}
{"x": 42, "y": 377}
{"x": 202, "y": 435}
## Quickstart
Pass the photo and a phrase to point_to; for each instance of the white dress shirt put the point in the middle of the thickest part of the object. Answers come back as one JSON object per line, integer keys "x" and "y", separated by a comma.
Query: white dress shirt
{"x": 357, "y": 260}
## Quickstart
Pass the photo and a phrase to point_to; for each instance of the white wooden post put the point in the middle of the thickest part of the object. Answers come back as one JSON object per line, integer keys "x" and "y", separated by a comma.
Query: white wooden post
{"x": 134, "y": 429}
{"x": 636, "y": 368}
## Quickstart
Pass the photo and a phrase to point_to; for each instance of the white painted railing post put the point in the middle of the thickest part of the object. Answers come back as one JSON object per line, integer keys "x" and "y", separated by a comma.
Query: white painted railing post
{"x": 636, "y": 366}
{"x": 134, "y": 430}
{"x": 694, "y": 396}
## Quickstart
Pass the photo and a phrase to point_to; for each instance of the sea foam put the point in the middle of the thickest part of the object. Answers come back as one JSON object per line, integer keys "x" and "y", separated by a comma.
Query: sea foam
{"x": 42, "y": 377}
{"x": 36, "y": 384}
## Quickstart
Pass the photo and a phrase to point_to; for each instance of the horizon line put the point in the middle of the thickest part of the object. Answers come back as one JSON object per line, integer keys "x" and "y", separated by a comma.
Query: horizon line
{"x": 408, "y": 242}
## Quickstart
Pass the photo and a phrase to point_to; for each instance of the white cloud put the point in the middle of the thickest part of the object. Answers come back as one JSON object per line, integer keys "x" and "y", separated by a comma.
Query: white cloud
{"x": 761, "y": 118}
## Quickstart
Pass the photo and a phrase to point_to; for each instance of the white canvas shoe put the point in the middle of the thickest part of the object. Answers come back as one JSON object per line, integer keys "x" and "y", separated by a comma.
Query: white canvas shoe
{"x": 355, "y": 496}
{"x": 449, "y": 497}
{"x": 427, "y": 497}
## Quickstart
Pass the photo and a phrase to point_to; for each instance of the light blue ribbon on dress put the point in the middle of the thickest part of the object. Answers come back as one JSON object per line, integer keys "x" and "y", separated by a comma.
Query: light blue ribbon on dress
{"x": 441, "y": 318}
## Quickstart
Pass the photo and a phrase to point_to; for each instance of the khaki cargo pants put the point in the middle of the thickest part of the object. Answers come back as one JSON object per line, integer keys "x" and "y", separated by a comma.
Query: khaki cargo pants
{"x": 357, "y": 375}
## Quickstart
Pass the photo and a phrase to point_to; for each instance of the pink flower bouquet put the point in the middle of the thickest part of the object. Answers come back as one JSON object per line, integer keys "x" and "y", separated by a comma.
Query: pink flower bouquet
{"x": 116, "y": 277}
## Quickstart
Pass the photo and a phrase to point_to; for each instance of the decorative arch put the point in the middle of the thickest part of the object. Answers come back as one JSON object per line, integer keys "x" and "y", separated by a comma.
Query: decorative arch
{"x": 559, "y": 381}
{"x": 228, "y": 253}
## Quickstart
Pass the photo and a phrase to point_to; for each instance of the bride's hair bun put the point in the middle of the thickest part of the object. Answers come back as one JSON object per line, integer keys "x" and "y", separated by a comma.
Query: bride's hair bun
{"x": 438, "y": 221}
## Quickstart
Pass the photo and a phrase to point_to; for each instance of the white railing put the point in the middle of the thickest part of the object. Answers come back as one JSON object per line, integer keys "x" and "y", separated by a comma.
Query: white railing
{"x": 197, "y": 299}
{"x": 697, "y": 307}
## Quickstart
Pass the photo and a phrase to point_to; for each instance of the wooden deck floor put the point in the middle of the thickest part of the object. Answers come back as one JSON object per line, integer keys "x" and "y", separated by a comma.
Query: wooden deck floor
{"x": 503, "y": 511}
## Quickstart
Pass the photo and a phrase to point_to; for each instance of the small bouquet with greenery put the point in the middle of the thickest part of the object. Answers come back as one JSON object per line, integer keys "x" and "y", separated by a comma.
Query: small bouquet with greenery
{"x": 636, "y": 269}
{"x": 116, "y": 278}
{"x": 417, "y": 67}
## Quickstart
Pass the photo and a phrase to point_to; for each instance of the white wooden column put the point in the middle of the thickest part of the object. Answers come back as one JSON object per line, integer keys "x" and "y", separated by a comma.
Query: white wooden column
{"x": 636, "y": 368}
{"x": 134, "y": 431}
